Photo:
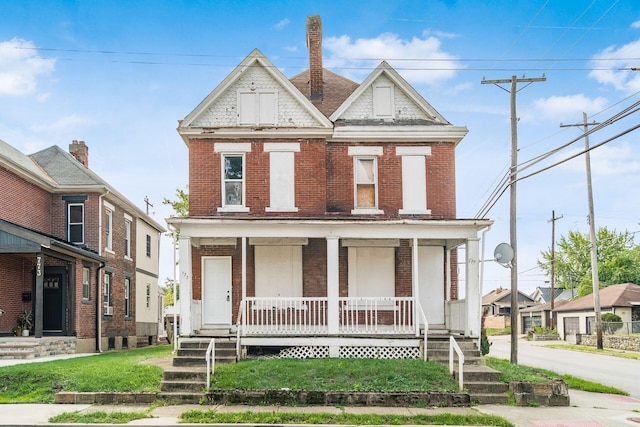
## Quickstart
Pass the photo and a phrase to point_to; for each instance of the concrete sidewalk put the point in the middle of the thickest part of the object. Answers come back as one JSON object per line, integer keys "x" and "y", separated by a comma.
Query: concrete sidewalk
{"x": 587, "y": 409}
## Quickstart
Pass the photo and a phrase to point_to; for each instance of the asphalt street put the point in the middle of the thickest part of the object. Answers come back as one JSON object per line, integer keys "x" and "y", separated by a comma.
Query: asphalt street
{"x": 604, "y": 369}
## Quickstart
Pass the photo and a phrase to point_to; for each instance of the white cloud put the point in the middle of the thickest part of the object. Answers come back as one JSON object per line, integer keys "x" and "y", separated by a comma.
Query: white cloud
{"x": 635, "y": 24}
{"x": 609, "y": 62}
{"x": 567, "y": 107}
{"x": 419, "y": 60}
{"x": 20, "y": 67}
{"x": 606, "y": 160}
{"x": 63, "y": 124}
{"x": 280, "y": 25}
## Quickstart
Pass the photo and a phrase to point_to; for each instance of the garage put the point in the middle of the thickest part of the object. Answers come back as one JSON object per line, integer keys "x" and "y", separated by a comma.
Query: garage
{"x": 571, "y": 326}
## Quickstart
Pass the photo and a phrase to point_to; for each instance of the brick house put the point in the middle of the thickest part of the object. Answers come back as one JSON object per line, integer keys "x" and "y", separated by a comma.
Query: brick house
{"x": 323, "y": 211}
{"x": 68, "y": 252}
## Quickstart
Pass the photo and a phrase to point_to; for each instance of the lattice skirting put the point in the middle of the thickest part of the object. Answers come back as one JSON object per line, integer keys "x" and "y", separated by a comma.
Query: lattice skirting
{"x": 355, "y": 352}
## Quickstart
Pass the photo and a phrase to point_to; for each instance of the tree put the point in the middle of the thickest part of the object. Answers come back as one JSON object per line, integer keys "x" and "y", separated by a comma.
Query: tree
{"x": 169, "y": 298}
{"x": 618, "y": 260}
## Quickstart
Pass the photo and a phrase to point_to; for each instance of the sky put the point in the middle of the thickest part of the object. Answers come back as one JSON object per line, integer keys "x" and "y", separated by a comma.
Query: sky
{"x": 120, "y": 74}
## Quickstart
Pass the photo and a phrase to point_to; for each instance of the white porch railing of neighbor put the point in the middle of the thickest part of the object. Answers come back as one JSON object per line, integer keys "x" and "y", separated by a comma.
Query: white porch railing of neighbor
{"x": 457, "y": 315}
{"x": 298, "y": 316}
{"x": 393, "y": 315}
{"x": 308, "y": 316}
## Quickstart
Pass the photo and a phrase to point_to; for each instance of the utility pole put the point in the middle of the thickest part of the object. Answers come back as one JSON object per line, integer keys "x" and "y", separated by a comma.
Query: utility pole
{"x": 512, "y": 183}
{"x": 148, "y": 203}
{"x": 553, "y": 220}
{"x": 592, "y": 232}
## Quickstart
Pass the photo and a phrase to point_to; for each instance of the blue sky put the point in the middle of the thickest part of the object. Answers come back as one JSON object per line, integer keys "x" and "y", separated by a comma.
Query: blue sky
{"x": 120, "y": 74}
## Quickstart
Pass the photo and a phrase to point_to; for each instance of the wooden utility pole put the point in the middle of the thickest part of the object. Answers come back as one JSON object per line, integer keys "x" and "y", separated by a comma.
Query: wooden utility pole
{"x": 512, "y": 183}
{"x": 592, "y": 231}
{"x": 553, "y": 220}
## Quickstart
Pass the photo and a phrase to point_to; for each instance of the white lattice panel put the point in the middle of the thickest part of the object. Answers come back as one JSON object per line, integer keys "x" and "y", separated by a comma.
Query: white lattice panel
{"x": 352, "y": 352}
{"x": 306, "y": 352}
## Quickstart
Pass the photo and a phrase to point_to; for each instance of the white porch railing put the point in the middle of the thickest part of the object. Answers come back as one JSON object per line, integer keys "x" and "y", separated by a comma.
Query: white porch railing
{"x": 211, "y": 361}
{"x": 287, "y": 316}
{"x": 457, "y": 315}
{"x": 308, "y": 316}
{"x": 453, "y": 346}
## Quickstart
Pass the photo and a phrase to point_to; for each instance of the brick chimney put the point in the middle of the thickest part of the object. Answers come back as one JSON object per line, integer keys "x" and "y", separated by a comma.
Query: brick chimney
{"x": 314, "y": 44}
{"x": 80, "y": 151}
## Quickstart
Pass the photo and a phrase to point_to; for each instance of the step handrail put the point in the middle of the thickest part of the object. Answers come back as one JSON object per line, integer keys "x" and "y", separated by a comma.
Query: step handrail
{"x": 453, "y": 346}
{"x": 211, "y": 361}
{"x": 423, "y": 316}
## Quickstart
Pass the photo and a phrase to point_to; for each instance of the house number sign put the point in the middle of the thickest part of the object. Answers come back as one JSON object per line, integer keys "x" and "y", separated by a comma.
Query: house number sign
{"x": 38, "y": 265}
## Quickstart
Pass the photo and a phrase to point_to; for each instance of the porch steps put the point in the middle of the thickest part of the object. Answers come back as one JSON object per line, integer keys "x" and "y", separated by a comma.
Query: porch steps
{"x": 438, "y": 350}
{"x": 484, "y": 385}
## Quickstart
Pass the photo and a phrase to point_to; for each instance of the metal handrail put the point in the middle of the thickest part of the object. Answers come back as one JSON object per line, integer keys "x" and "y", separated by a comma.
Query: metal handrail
{"x": 239, "y": 328}
{"x": 211, "y": 361}
{"x": 426, "y": 327}
{"x": 453, "y": 345}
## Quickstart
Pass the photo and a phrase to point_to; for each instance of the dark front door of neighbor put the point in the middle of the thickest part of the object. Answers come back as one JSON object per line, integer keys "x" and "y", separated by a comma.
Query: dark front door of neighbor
{"x": 53, "y": 302}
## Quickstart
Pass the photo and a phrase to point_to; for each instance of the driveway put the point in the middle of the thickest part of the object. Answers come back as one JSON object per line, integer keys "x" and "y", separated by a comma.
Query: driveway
{"x": 609, "y": 370}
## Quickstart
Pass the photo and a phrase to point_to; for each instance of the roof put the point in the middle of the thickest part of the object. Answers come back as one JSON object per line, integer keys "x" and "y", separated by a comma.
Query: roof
{"x": 542, "y": 307}
{"x": 17, "y": 161}
{"x": 622, "y": 295}
{"x": 500, "y": 294}
{"x": 335, "y": 89}
{"x": 65, "y": 169}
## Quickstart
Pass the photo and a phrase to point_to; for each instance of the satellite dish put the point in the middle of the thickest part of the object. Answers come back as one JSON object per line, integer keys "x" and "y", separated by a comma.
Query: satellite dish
{"x": 503, "y": 253}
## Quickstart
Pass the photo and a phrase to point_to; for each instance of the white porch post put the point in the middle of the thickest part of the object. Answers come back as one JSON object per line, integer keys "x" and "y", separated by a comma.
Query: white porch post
{"x": 447, "y": 289}
{"x": 472, "y": 292}
{"x": 333, "y": 284}
{"x": 414, "y": 283}
{"x": 186, "y": 293}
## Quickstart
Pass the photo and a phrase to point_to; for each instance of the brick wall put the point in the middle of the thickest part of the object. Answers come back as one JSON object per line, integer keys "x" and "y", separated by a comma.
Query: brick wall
{"x": 15, "y": 278}
{"x": 15, "y": 192}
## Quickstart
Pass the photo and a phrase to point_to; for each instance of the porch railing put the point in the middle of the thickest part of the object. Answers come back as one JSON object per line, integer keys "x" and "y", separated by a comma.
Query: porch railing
{"x": 308, "y": 316}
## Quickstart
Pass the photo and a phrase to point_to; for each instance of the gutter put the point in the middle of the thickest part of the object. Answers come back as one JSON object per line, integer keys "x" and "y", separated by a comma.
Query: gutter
{"x": 99, "y": 298}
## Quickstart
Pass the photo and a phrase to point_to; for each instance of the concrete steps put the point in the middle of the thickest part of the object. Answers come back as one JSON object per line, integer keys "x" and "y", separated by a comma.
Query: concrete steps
{"x": 484, "y": 385}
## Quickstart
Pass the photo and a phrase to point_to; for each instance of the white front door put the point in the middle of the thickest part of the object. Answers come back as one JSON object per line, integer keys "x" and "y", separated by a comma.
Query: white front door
{"x": 216, "y": 290}
{"x": 431, "y": 283}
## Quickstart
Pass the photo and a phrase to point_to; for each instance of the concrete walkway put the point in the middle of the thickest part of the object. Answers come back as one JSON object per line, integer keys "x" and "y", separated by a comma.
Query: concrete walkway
{"x": 587, "y": 409}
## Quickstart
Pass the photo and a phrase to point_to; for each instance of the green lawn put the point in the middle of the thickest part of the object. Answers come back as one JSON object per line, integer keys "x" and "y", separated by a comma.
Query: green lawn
{"x": 107, "y": 372}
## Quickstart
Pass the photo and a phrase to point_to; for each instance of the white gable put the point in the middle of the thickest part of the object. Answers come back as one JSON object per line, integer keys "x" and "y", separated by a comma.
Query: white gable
{"x": 224, "y": 111}
{"x": 404, "y": 107}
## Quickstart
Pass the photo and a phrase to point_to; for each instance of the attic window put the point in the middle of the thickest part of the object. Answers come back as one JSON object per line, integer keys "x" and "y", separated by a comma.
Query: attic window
{"x": 257, "y": 107}
{"x": 383, "y": 105}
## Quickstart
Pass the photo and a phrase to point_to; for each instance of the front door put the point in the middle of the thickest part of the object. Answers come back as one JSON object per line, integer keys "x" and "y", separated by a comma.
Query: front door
{"x": 216, "y": 290}
{"x": 53, "y": 301}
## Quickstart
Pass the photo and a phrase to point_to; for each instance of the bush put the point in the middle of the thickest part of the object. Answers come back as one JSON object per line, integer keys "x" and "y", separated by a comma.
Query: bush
{"x": 484, "y": 342}
{"x": 611, "y": 323}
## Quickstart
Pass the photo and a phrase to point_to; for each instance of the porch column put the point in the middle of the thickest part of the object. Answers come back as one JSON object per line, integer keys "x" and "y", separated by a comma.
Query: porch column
{"x": 333, "y": 284}
{"x": 414, "y": 284}
{"x": 39, "y": 307}
{"x": 186, "y": 292}
{"x": 472, "y": 290}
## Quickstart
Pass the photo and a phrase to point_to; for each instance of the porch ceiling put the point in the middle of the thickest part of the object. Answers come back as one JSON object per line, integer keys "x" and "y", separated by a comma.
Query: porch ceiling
{"x": 449, "y": 231}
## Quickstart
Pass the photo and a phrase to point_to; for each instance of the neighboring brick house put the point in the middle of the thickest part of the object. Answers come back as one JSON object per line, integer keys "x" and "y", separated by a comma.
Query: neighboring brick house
{"x": 68, "y": 253}
{"x": 320, "y": 207}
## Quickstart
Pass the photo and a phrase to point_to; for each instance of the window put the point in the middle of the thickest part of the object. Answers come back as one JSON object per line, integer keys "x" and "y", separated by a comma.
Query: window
{"x": 281, "y": 176}
{"x": 257, "y": 107}
{"x": 75, "y": 217}
{"x": 148, "y": 246}
{"x": 86, "y": 283}
{"x": 383, "y": 104}
{"x": 414, "y": 179}
{"x": 371, "y": 272}
{"x": 233, "y": 180}
{"x": 108, "y": 292}
{"x": 233, "y": 175}
{"x": 127, "y": 238}
{"x": 108, "y": 226}
{"x": 278, "y": 271}
{"x": 127, "y": 297}
{"x": 365, "y": 179}
{"x": 148, "y": 295}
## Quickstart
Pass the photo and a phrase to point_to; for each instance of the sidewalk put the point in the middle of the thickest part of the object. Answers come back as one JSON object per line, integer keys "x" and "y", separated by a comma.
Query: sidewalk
{"x": 587, "y": 409}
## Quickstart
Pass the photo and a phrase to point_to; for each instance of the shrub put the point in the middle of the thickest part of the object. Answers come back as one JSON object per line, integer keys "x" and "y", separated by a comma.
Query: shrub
{"x": 611, "y": 323}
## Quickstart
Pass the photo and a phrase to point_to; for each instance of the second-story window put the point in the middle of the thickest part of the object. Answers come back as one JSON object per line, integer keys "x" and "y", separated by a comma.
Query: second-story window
{"x": 365, "y": 179}
{"x": 75, "y": 216}
{"x": 148, "y": 246}
{"x": 108, "y": 226}
{"x": 233, "y": 176}
{"x": 127, "y": 297}
{"x": 127, "y": 238}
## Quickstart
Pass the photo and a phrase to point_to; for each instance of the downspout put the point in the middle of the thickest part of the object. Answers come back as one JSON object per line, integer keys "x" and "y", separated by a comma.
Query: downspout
{"x": 482, "y": 263}
{"x": 99, "y": 298}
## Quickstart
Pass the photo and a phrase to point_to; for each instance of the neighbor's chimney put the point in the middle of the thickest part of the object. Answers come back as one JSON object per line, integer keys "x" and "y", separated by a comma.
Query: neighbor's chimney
{"x": 314, "y": 44}
{"x": 80, "y": 151}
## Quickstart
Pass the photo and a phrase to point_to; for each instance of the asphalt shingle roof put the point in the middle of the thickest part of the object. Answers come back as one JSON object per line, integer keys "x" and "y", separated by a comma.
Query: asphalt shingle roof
{"x": 64, "y": 168}
{"x": 623, "y": 295}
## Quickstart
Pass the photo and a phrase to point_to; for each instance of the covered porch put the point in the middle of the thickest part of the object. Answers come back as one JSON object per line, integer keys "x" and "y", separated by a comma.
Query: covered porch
{"x": 342, "y": 291}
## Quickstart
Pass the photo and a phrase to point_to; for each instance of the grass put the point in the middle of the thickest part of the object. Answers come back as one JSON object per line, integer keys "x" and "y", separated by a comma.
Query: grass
{"x": 99, "y": 417}
{"x": 381, "y": 375}
{"x": 108, "y": 372}
{"x": 211, "y": 416}
{"x": 512, "y": 372}
{"x": 588, "y": 349}
{"x": 498, "y": 331}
